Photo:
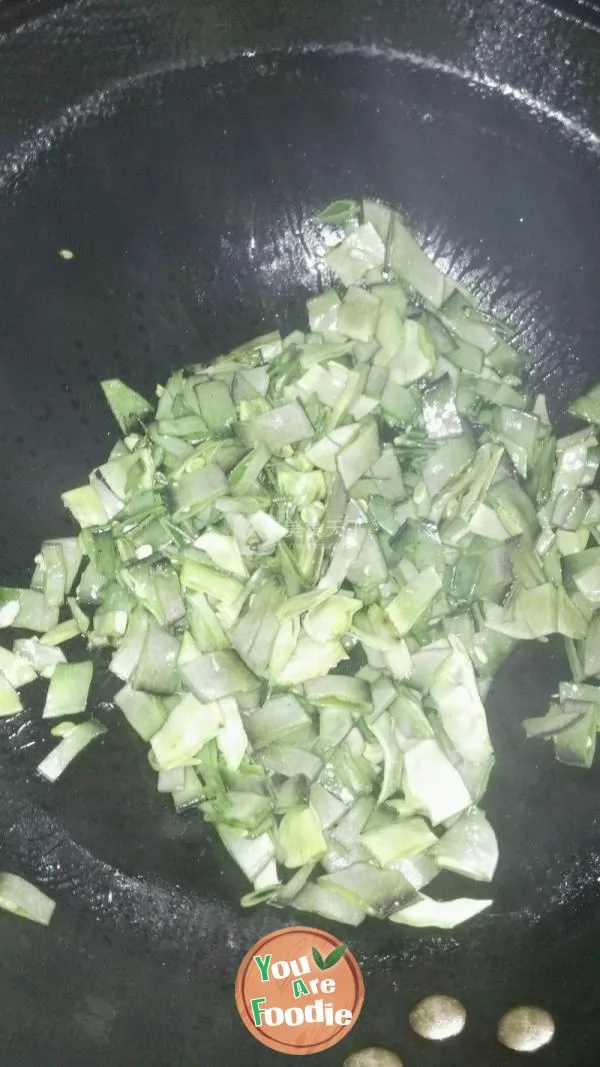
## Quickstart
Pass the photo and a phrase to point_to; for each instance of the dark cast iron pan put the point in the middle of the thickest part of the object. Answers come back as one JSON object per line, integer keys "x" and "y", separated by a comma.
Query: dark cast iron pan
{"x": 179, "y": 149}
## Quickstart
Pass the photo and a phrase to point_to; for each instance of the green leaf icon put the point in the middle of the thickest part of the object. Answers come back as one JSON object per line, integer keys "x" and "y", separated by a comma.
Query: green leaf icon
{"x": 334, "y": 957}
{"x": 330, "y": 960}
{"x": 317, "y": 957}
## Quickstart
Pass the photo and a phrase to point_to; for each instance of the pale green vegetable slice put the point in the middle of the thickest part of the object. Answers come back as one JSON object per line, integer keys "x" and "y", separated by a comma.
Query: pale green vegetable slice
{"x": 360, "y": 251}
{"x": 252, "y": 854}
{"x": 378, "y": 892}
{"x": 214, "y": 675}
{"x": 469, "y": 847}
{"x": 26, "y": 609}
{"x": 411, "y": 264}
{"x": 455, "y": 694}
{"x": 25, "y": 900}
{"x": 325, "y": 901}
{"x": 16, "y": 669}
{"x": 53, "y": 765}
{"x": 232, "y": 739}
{"x": 399, "y": 840}
{"x": 188, "y": 727}
{"x": 144, "y": 712}
{"x": 359, "y": 455}
{"x": 69, "y": 689}
{"x": 415, "y": 358}
{"x": 10, "y": 703}
{"x": 310, "y": 659}
{"x": 358, "y": 315}
{"x": 43, "y": 658}
{"x": 413, "y": 600}
{"x": 445, "y": 914}
{"x": 300, "y": 837}
{"x": 281, "y": 718}
{"x": 127, "y": 406}
{"x": 432, "y": 784}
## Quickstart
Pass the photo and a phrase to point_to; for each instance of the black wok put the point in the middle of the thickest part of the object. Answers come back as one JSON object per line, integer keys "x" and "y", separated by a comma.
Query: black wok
{"x": 179, "y": 148}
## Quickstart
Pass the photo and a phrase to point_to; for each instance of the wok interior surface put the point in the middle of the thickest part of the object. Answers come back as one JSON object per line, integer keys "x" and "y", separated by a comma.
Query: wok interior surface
{"x": 187, "y": 200}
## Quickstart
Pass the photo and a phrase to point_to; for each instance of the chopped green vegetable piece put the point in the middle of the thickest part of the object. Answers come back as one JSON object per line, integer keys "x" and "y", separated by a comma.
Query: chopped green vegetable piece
{"x": 26, "y": 609}
{"x": 197, "y": 489}
{"x": 324, "y": 312}
{"x": 456, "y": 697}
{"x": 58, "y": 635}
{"x": 156, "y": 668}
{"x": 325, "y": 901}
{"x": 416, "y": 358}
{"x": 144, "y": 712}
{"x": 25, "y": 900}
{"x": 379, "y": 215}
{"x": 310, "y": 659}
{"x": 361, "y": 250}
{"x": 591, "y": 649}
{"x": 127, "y": 406}
{"x": 232, "y": 740}
{"x": 432, "y": 784}
{"x": 555, "y": 720}
{"x": 472, "y": 325}
{"x": 300, "y": 837}
{"x": 399, "y": 840}
{"x": 188, "y": 727}
{"x": 413, "y": 600}
{"x": 469, "y": 847}
{"x": 252, "y": 854}
{"x": 86, "y": 506}
{"x": 16, "y": 669}
{"x": 576, "y": 744}
{"x": 359, "y": 455}
{"x": 43, "y": 658}
{"x": 358, "y": 315}
{"x": 69, "y": 689}
{"x": 10, "y": 703}
{"x": 445, "y": 914}
{"x": 339, "y": 211}
{"x": 215, "y": 675}
{"x": 290, "y": 761}
{"x": 53, "y": 765}
{"x": 286, "y": 425}
{"x": 282, "y": 718}
{"x": 214, "y": 583}
{"x": 215, "y": 404}
{"x": 446, "y": 463}
{"x": 223, "y": 551}
{"x": 588, "y": 407}
{"x": 378, "y": 892}
{"x": 190, "y": 793}
{"x": 409, "y": 262}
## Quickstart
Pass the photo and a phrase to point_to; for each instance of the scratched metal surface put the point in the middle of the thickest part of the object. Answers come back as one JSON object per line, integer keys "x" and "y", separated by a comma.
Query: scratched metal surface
{"x": 185, "y": 184}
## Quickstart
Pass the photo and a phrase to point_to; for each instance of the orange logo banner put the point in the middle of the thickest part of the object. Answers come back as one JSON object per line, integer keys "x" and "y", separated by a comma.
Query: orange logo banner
{"x": 299, "y": 991}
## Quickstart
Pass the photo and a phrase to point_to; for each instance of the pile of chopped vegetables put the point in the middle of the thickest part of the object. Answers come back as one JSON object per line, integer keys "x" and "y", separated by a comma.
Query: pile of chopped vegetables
{"x": 307, "y": 563}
